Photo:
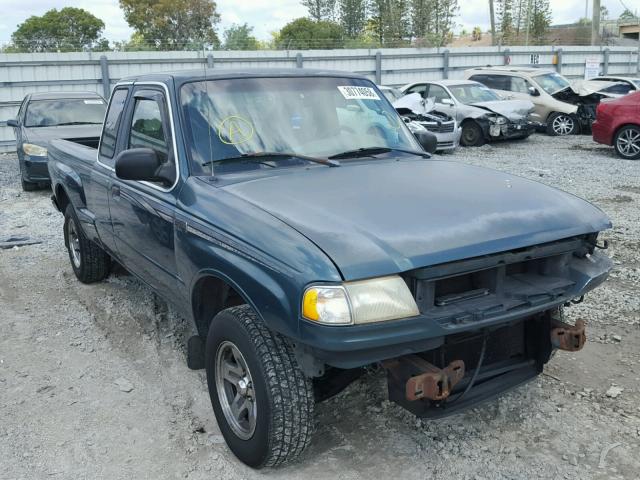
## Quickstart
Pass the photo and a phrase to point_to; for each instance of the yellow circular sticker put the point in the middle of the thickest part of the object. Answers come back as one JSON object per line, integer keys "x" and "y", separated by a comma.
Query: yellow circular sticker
{"x": 234, "y": 130}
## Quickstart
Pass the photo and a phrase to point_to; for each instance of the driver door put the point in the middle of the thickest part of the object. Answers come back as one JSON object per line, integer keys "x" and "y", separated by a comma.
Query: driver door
{"x": 142, "y": 213}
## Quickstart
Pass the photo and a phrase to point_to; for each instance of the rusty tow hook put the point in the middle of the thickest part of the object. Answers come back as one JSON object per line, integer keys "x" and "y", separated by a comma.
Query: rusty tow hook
{"x": 432, "y": 383}
{"x": 568, "y": 337}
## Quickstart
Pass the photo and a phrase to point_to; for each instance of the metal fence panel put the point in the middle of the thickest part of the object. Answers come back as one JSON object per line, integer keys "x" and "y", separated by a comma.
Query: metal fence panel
{"x": 26, "y": 73}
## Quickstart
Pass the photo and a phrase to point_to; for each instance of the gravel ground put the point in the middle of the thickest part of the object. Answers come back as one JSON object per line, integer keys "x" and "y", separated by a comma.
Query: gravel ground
{"x": 94, "y": 384}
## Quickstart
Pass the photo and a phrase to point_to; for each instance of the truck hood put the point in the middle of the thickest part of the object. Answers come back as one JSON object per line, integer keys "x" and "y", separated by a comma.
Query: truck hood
{"x": 43, "y": 135}
{"x": 385, "y": 217}
{"x": 514, "y": 110}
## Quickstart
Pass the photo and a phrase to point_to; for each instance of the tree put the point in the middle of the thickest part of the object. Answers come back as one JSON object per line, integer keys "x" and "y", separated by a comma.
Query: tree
{"x": 627, "y": 16}
{"x": 421, "y": 18}
{"x": 391, "y": 21}
{"x": 476, "y": 34}
{"x": 173, "y": 24}
{"x": 539, "y": 21}
{"x": 353, "y": 15}
{"x": 304, "y": 33}
{"x": 239, "y": 37}
{"x": 68, "y": 29}
{"x": 320, "y": 9}
{"x": 505, "y": 16}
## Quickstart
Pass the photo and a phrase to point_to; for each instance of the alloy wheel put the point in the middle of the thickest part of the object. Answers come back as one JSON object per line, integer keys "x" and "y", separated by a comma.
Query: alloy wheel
{"x": 235, "y": 390}
{"x": 628, "y": 142}
{"x": 74, "y": 243}
{"x": 563, "y": 125}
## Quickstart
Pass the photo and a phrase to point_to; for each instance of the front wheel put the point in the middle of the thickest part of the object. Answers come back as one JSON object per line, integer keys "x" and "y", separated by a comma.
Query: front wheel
{"x": 262, "y": 400}
{"x": 562, "y": 124}
{"x": 627, "y": 142}
{"x": 472, "y": 135}
{"x": 90, "y": 263}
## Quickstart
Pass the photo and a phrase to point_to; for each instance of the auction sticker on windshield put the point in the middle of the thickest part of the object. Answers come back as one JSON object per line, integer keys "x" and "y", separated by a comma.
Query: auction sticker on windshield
{"x": 351, "y": 92}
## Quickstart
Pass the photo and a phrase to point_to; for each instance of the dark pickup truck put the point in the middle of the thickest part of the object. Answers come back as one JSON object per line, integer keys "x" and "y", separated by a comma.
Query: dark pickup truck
{"x": 305, "y": 248}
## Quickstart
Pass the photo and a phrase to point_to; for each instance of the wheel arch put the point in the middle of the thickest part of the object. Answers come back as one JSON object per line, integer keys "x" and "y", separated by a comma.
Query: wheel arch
{"x": 213, "y": 291}
{"x": 617, "y": 129}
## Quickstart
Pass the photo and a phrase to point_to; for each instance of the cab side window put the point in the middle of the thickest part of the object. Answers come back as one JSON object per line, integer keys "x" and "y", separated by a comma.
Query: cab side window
{"x": 111, "y": 123}
{"x": 147, "y": 129}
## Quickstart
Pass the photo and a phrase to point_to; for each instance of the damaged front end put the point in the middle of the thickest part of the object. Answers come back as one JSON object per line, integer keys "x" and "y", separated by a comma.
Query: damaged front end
{"x": 420, "y": 114}
{"x": 504, "y": 315}
{"x": 586, "y": 98}
{"x": 506, "y": 119}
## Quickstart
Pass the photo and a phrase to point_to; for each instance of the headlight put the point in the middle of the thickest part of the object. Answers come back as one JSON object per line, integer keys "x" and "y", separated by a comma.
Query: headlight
{"x": 365, "y": 301}
{"x": 34, "y": 150}
{"x": 497, "y": 119}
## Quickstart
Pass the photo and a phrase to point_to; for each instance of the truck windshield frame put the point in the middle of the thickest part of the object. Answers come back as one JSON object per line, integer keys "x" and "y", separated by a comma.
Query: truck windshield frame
{"x": 308, "y": 116}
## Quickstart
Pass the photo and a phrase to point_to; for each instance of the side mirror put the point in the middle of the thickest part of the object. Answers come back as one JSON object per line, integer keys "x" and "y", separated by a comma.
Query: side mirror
{"x": 533, "y": 91}
{"x": 12, "y": 122}
{"x": 447, "y": 101}
{"x": 141, "y": 164}
{"x": 428, "y": 141}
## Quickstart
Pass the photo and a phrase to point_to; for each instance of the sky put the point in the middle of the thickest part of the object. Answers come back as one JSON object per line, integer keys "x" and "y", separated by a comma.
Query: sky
{"x": 264, "y": 15}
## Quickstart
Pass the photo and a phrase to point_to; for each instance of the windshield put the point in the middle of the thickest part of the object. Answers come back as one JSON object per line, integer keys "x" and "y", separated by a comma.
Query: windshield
{"x": 469, "y": 93}
{"x": 64, "y": 111}
{"x": 551, "y": 82}
{"x": 308, "y": 116}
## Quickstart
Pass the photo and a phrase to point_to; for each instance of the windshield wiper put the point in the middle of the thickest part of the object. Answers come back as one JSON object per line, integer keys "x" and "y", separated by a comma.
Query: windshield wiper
{"x": 260, "y": 155}
{"x": 371, "y": 151}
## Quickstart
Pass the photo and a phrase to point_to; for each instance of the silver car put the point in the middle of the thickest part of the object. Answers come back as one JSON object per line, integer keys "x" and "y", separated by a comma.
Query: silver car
{"x": 482, "y": 114}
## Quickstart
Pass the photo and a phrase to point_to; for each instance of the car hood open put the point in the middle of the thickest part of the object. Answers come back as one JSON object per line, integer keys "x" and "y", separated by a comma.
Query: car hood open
{"x": 512, "y": 109}
{"x": 384, "y": 217}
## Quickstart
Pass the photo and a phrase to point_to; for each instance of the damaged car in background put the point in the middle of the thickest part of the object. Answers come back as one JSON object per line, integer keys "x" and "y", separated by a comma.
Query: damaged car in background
{"x": 420, "y": 112}
{"x": 482, "y": 114}
{"x": 562, "y": 108}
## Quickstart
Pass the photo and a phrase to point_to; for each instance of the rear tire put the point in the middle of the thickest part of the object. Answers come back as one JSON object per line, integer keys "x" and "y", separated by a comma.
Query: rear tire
{"x": 562, "y": 124}
{"x": 89, "y": 262}
{"x": 627, "y": 142}
{"x": 254, "y": 368}
{"x": 472, "y": 135}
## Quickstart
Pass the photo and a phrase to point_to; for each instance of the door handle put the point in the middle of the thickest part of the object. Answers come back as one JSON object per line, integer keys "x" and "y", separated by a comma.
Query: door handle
{"x": 115, "y": 191}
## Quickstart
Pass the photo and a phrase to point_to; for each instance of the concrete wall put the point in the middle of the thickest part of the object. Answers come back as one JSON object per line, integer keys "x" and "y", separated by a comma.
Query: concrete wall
{"x": 24, "y": 73}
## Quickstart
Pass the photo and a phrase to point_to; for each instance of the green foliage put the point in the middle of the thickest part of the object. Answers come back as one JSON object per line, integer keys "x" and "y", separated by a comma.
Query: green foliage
{"x": 476, "y": 34}
{"x": 320, "y": 9}
{"x": 432, "y": 21}
{"x": 239, "y": 37}
{"x": 173, "y": 24}
{"x": 627, "y": 16}
{"x": 539, "y": 21}
{"x": 353, "y": 16}
{"x": 304, "y": 33}
{"x": 65, "y": 30}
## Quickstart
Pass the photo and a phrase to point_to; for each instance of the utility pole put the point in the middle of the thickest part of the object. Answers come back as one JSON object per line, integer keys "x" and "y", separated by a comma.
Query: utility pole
{"x": 493, "y": 22}
{"x": 526, "y": 36}
{"x": 595, "y": 23}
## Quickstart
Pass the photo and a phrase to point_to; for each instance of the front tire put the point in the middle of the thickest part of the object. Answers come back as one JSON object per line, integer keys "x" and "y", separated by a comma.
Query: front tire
{"x": 472, "y": 135}
{"x": 262, "y": 401}
{"x": 562, "y": 124}
{"x": 89, "y": 262}
{"x": 627, "y": 142}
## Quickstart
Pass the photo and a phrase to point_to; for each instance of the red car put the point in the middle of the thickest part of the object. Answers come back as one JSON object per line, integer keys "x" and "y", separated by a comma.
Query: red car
{"x": 618, "y": 124}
